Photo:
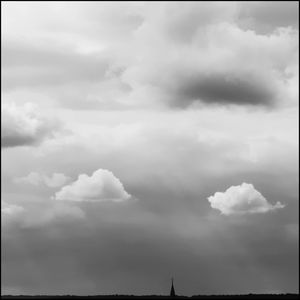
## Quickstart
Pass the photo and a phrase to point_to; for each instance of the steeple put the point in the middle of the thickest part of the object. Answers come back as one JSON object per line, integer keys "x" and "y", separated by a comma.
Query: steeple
{"x": 172, "y": 292}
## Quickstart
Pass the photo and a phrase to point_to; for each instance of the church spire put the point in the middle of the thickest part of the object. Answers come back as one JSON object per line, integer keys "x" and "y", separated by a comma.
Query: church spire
{"x": 172, "y": 292}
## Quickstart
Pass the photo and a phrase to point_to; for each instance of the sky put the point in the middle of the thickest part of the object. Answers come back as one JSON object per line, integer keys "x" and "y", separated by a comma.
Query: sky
{"x": 147, "y": 140}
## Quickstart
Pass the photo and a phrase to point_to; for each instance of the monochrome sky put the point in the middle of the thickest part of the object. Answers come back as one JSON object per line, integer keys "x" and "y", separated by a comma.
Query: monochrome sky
{"x": 144, "y": 140}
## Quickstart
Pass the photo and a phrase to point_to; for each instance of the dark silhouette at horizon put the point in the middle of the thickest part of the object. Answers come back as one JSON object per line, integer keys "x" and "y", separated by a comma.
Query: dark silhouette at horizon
{"x": 148, "y": 297}
{"x": 289, "y": 296}
{"x": 172, "y": 292}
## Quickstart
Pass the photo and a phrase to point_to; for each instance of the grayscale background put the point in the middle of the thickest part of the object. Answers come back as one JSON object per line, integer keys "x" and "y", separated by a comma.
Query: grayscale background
{"x": 145, "y": 140}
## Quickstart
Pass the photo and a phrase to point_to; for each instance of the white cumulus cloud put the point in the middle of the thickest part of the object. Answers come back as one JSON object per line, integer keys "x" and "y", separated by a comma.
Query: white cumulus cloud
{"x": 102, "y": 185}
{"x": 241, "y": 199}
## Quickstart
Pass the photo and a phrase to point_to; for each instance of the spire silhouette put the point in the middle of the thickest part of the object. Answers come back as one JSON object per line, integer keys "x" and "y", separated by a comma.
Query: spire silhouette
{"x": 172, "y": 292}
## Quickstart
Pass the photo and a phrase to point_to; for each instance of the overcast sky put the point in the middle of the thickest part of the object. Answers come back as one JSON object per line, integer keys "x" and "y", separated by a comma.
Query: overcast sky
{"x": 144, "y": 140}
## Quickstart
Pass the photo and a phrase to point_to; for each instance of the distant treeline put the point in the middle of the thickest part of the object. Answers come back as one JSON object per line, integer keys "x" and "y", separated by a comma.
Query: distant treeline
{"x": 205, "y": 297}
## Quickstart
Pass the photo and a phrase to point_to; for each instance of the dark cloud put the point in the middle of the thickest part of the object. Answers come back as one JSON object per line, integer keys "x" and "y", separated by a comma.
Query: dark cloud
{"x": 23, "y": 125}
{"x": 15, "y": 140}
{"x": 225, "y": 88}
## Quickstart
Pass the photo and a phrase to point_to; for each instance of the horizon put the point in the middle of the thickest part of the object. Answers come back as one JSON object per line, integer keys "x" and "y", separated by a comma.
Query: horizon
{"x": 151, "y": 295}
{"x": 142, "y": 141}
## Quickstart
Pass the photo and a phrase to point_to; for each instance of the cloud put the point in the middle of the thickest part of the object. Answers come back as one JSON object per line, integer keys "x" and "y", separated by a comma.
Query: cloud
{"x": 173, "y": 54}
{"x": 34, "y": 178}
{"x": 24, "y": 126}
{"x": 48, "y": 66}
{"x": 38, "y": 216}
{"x": 226, "y": 88}
{"x": 185, "y": 19}
{"x": 265, "y": 17}
{"x": 57, "y": 180}
{"x": 11, "y": 209}
{"x": 58, "y": 212}
{"x": 223, "y": 64}
{"x": 241, "y": 199}
{"x": 74, "y": 58}
{"x": 102, "y": 185}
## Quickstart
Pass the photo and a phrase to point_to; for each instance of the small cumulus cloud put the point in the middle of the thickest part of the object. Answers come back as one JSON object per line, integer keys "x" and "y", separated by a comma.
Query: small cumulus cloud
{"x": 241, "y": 199}
{"x": 24, "y": 126}
{"x": 102, "y": 185}
{"x": 34, "y": 178}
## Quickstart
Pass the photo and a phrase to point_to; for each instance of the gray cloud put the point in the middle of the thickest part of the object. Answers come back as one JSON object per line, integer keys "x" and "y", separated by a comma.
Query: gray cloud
{"x": 36, "y": 179}
{"x": 10, "y": 209}
{"x": 135, "y": 248}
{"x": 25, "y": 65}
{"x": 144, "y": 59}
{"x": 186, "y": 19}
{"x": 212, "y": 56}
{"x": 23, "y": 125}
{"x": 265, "y": 17}
{"x": 226, "y": 88}
{"x": 223, "y": 64}
{"x": 37, "y": 211}
{"x": 122, "y": 258}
